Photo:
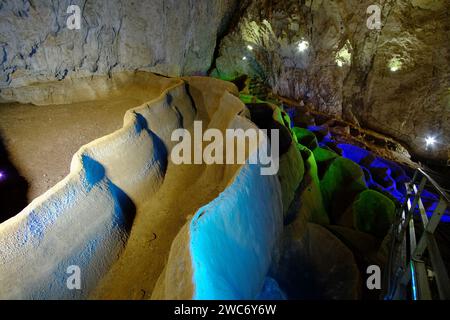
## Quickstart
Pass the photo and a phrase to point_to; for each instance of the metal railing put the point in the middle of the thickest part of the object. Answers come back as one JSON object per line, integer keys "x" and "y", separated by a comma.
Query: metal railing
{"x": 416, "y": 266}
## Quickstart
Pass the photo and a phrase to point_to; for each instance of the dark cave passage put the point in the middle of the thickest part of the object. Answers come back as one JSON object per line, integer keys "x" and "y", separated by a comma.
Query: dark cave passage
{"x": 13, "y": 187}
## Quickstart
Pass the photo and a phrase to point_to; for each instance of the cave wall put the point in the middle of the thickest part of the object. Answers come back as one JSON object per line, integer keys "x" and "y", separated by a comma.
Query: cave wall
{"x": 168, "y": 37}
{"x": 346, "y": 70}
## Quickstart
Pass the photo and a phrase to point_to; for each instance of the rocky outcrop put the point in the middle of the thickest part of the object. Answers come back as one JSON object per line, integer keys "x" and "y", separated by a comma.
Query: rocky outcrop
{"x": 167, "y": 37}
{"x": 394, "y": 80}
{"x": 373, "y": 213}
{"x": 341, "y": 183}
{"x": 317, "y": 265}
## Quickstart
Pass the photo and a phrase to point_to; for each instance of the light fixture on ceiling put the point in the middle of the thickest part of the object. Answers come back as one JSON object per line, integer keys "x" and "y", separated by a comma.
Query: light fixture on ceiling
{"x": 303, "y": 46}
{"x": 249, "y": 47}
{"x": 395, "y": 64}
{"x": 430, "y": 141}
{"x": 244, "y": 58}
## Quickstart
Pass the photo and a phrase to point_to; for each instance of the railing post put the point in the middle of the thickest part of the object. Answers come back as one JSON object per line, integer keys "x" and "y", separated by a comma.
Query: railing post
{"x": 415, "y": 269}
{"x": 437, "y": 215}
{"x": 440, "y": 270}
{"x": 429, "y": 229}
{"x": 417, "y": 195}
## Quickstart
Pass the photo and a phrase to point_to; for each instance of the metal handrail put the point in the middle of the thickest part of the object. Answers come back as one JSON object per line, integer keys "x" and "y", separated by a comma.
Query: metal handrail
{"x": 436, "y": 186}
{"x": 410, "y": 267}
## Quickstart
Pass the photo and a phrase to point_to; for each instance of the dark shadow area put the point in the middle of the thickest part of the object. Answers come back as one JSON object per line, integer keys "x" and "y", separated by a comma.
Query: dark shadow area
{"x": 189, "y": 94}
{"x": 160, "y": 150}
{"x": 262, "y": 116}
{"x": 363, "y": 260}
{"x": 310, "y": 269}
{"x": 240, "y": 81}
{"x": 124, "y": 207}
{"x": 13, "y": 187}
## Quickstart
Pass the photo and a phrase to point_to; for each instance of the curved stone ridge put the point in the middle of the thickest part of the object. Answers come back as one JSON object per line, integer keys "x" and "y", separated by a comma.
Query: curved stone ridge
{"x": 85, "y": 219}
{"x": 232, "y": 239}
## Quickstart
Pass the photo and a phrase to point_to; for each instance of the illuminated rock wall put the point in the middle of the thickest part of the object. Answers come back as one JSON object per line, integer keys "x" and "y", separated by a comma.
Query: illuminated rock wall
{"x": 394, "y": 80}
{"x": 233, "y": 238}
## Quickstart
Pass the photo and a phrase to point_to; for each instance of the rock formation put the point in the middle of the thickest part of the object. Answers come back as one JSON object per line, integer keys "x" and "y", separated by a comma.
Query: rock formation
{"x": 140, "y": 225}
{"x": 394, "y": 80}
{"x": 168, "y": 37}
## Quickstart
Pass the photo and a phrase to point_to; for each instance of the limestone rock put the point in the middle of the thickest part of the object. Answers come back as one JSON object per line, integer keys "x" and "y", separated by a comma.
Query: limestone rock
{"x": 167, "y": 37}
{"x": 324, "y": 157}
{"x": 373, "y": 213}
{"x": 340, "y": 185}
{"x": 306, "y": 138}
{"x": 317, "y": 265}
{"x": 395, "y": 80}
{"x": 290, "y": 175}
{"x": 311, "y": 203}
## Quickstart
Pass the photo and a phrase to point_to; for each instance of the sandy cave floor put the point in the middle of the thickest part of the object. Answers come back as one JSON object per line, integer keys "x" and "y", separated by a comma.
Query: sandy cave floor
{"x": 43, "y": 156}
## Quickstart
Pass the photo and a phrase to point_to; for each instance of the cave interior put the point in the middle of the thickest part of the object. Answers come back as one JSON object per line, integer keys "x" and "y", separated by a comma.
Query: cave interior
{"x": 353, "y": 96}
